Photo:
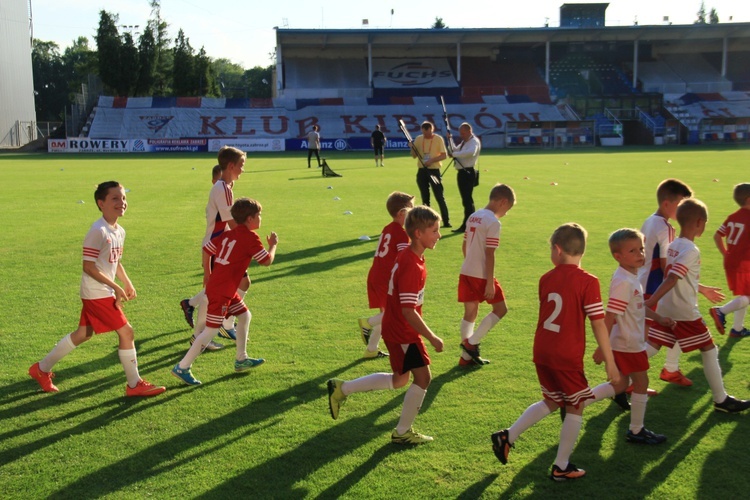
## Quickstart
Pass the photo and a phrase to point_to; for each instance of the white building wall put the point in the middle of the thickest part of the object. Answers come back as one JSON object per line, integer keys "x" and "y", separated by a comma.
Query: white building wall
{"x": 17, "y": 114}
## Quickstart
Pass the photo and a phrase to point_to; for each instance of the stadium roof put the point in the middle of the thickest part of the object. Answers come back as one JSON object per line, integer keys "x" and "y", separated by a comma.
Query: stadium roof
{"x": 328, "y": 38}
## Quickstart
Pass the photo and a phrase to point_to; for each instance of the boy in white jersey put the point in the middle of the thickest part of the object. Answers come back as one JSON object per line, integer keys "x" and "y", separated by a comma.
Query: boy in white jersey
{"x": 658, "y": 233}
{"x": 677, "y": 297}
{"x": 102, "y": 298}
{"x": 218, "y": 219}
{"x": 625, "y": 319}
{"x": 477, "y": 282}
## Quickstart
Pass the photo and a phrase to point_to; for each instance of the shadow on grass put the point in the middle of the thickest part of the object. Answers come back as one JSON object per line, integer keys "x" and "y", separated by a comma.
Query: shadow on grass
{"x": 643, "y": 469}
{"x": 189, "y": 445}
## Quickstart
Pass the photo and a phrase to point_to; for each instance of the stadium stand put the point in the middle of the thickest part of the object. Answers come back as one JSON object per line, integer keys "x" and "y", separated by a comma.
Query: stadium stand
{"x": 481, "y": 76}
{"x": 325, "y": 78}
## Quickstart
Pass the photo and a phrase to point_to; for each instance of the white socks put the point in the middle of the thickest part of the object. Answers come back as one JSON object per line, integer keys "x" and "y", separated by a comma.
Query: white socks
{"x": 200, "y": 343}
{"x": 467, "y": 330}
{"x": 713, "y": 374}
{"x": 372, "y": 382}
{"x": 637, "y": 411}
{"x": 243, "y": 327}
{"x": 195, "y": 300}
{"x": 484, "y": 327}
{"x": 372, "y": 345}
{"x": 62, "y": 349}
{"x": 130, "y": 364}
{"x": 672, "y": 361}
{"x": 601, "y": 391}
{"x": 568, "y": 436}
{"x": 738, "y": 306}
{"x": 532, "y": 415}
{"x": 412, "y": 403}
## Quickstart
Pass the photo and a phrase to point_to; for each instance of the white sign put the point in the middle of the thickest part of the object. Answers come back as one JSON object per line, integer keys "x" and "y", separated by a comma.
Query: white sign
{"x": 412, "y": 73}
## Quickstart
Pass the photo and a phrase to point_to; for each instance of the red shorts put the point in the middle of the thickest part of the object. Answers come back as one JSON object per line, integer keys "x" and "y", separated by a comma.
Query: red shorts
{"x": 471, "y": 289}
{"x": 738, "y": 281}
{"x": 690, "y": 335}
{"x": 631, "y": 362}
{"x": 563, "y": 387}
{"x": 102, "y": 315}
{"x": 377, "y": 294}
{"x": 223, "y": 307}
{"x": 406, "y": 357}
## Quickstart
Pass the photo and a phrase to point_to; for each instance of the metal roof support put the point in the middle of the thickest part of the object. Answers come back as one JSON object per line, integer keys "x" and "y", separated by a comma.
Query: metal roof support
{"x": 635, "y": 63}
{"x": 546, "y": 61}
{"x": 458, "y": 61}
{"x": 724, "y": 46}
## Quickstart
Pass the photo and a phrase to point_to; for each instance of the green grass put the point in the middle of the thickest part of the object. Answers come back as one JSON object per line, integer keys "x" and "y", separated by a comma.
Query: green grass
{"x": 267, "y": 433}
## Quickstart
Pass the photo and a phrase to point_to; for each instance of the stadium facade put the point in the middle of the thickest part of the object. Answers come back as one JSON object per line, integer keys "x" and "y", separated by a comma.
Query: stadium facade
{"x": 18, "y": 115}
{"x": 579, "y": 85}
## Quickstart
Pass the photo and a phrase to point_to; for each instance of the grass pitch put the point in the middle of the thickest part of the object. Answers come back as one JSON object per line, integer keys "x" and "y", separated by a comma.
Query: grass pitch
{"x": 267, "y": 433}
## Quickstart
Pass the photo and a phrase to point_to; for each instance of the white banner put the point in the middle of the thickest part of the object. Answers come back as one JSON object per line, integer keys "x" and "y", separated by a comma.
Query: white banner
{"x": 412, "y": 73}
{"x": 719, "y": 109}
{"x": 249, "y": 124}
{"x": 264, "y": 145}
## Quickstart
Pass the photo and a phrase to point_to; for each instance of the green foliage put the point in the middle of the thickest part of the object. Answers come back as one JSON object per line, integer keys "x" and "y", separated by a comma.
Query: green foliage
{"x": 183, "y": 69}
{"x": 438, "y": 24}
{"x": 50, "y": 86}
{"x": 109, "y": 44}
{"x": 713, "y": 16}
{"x": 701, "y": 14}
{"x": 268, "y": 432}
{"x": 259, "y": 81}
{"x": 128, "y": 66}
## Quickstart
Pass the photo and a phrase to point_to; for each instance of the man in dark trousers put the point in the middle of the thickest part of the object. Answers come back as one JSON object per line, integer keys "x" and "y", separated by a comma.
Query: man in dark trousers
{"x": 466, "y": 154}
{"x": 377, "y": 141}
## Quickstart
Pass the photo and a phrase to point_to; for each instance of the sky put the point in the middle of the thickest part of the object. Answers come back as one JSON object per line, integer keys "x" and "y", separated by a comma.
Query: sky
{"x": 243, "y": 31}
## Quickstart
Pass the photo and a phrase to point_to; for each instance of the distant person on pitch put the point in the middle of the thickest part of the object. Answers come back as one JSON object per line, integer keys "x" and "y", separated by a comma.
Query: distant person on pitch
{"x": 378, "y": 141}
{"x": 313, "y": 144}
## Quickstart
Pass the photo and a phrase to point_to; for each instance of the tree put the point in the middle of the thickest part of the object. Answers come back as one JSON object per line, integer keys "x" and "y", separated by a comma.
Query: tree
{"x": 204, "y": 74}
{"x": 230, "y": 77}
{"x": 439, "y": 24}
{"x": 108, "y": 43}
{"x": 183, "y": 69}
{"x": 79, "y": 61}
{"x": 164, "y": 57}
{"x": 258, "y": 82}
{"x": 701, "y": 14}
{"x": 713, "y": 17}
{"x": 128, "y": 67}
{"x": 50, "y": 86}
{"x": 146, "y": 62}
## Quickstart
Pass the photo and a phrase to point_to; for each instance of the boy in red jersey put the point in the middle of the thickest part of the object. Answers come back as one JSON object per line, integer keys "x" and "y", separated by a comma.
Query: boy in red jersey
{"x": 102, "y": 298}
{"x": 477, "y": 282}
{"x": 218, "y": 219}
{"x": 677, "y": 298}
{"x": 567, "y": 295}
{"x": 658, "y": 233}
{"x": 403, "y": 329}
{"x": 232, "y": 251}
{"x": 392, "y": 240}
{"x": 736, "y": 252}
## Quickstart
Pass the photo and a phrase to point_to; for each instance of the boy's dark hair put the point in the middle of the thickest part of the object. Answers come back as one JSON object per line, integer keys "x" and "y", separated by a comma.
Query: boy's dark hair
{"x": 398, "y": 201}
{"x": 229, "y": 154}
{"x": 216, "y": 172}
{"x": 620, "y": 236}
{"x": 503, "y": 192}
{"x": 102, "y": 190}
{"x": 427, "y": 126}
{"x": 244, "y": 208}
{"x": 741, "y": 193}
{"x": 421, "y": 218}
{"x": 671, "y": 189}
{"x": 691, "y": 210}
{"x": 571, "y": 238}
